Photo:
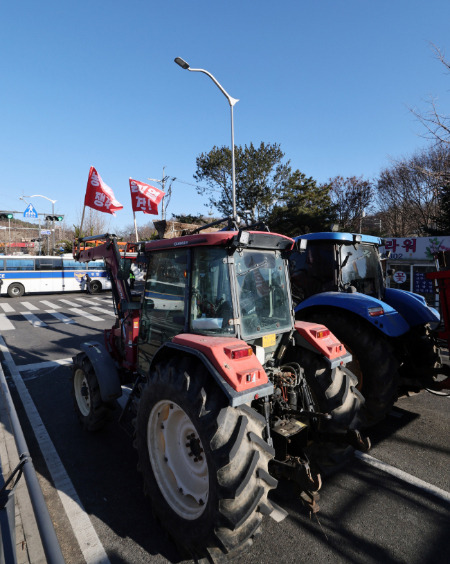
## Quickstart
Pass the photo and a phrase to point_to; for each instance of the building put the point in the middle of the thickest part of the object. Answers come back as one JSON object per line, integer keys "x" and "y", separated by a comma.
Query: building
{"x": 410, "y": 259}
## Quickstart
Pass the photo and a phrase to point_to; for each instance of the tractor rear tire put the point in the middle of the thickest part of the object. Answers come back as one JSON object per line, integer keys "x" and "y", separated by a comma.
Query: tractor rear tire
{"x": 204, "y": 463}
{"x": 334, "y": 392}
{"x": 374, "y": 362}
{"x": 92, "y": 412}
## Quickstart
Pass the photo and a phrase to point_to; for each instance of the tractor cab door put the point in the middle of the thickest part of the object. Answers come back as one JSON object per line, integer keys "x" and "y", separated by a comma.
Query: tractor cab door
{"x": 164, "y": 303}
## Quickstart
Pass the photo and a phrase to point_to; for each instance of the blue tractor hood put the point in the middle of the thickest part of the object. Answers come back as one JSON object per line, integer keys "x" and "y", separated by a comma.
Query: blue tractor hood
{"x": 391, "y": 323}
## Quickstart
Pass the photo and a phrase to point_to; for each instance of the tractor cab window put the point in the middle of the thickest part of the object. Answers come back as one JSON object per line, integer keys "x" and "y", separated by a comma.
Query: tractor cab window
{"x": 360, "y": 267}
{"x": 313, "y": 270}
{"x": 211, "y": 303}
{"x": 163, "y": 308}
{"x": 262, "y": 293}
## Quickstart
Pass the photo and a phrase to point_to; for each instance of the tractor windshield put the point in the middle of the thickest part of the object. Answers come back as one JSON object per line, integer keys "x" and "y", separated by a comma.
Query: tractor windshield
{"x": 360, "y": 267}
{"x": 262, "y": 292}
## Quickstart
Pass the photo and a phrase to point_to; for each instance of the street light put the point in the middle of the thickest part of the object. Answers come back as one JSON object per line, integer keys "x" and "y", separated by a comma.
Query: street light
{"x": 232, "y": 101}
{"x": 53, "y": 213}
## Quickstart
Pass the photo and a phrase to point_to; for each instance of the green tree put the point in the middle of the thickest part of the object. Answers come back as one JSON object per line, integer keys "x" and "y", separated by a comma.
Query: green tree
{"x": 260, "y": 176}
{"x": 302, "y": 207}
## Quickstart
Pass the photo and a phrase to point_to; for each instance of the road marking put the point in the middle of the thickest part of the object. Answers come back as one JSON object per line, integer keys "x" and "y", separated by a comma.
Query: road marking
{"x": 5, "y": 323}
{"x": 103, "y": 310}
{"x": 84, "y": 531}
{"x": 404, "y": 476}
{"x": 45, "y": 364}
{"x": 33, "y": 319}
{"x": 7, "y": 308}
{"x": 70, "y": 303}
{"x": 50, "y": 304}
{"x": 59, "y": 316}
{"x": 84, "y": 300}
{"x": 29, "y": 306}
{"x": 85, "y": 314}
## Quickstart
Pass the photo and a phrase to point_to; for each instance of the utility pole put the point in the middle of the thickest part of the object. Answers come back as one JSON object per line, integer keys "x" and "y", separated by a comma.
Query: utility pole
{"x": 162, "y": 181}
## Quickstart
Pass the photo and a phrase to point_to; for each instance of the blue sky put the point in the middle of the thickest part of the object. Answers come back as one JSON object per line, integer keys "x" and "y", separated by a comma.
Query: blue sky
{"x": 93, "y": 83}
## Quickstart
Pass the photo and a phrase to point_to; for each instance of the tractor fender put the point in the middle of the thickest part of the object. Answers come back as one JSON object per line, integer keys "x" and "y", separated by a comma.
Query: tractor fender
{"x": 412, "y": 307}
{"x": 317, "y": 338}
{"x": 390, "y": 322}
{"x": 242, "y": 380}
{"x": 105, "y": 370}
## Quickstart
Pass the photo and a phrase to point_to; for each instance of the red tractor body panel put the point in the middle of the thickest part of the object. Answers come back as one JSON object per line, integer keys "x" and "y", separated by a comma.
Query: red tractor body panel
{"x": 228, "y": 355}
{"x": 321, "y": 338}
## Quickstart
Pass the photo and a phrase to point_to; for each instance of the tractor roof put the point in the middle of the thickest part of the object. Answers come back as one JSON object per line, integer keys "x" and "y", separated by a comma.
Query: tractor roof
{"x": 340, "y": 237}
{"x": 256, "y": 240}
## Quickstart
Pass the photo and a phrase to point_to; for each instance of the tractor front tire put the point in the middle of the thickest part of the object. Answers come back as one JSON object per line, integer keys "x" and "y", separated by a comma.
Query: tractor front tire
{"x": 374, "y": 362}
{"x": 204, "y": 463}
{"x": 92, "y": 412}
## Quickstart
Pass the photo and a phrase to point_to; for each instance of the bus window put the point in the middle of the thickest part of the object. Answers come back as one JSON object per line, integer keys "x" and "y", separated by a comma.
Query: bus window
{"x": 96, "y": 265}
{"x": 48, "y": 263}
{"x": 71, "y": 264}
{"x": 2, "y": 264}
{"x": 20, "y": 264}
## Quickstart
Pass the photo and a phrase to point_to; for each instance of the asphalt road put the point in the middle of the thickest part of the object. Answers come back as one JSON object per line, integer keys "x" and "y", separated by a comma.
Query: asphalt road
{"x": 93, "y": 489}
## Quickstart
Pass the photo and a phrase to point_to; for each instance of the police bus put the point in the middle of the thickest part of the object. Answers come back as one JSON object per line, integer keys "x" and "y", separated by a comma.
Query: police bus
{"x": 20, "y": 274}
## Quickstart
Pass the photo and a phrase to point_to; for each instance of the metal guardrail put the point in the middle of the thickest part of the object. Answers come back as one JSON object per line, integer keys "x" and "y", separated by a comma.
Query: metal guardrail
{"x": 47, "y": 533}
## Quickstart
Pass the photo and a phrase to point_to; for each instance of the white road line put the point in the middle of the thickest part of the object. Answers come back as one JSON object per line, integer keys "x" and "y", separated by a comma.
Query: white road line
{"x": 5, "y": 323}
{"x": 59, "y": 316}
{"x": 74, "y": 304}
{"x": 33, "y": 319}
{"x": 103, "y": 310}
{"x": 417, "y": 482}
{"x": 89, "y": 301}
{"x": 45, "y": 364}
{"x": 85, "y": 314}
{"x": 29, "y": 306}
{"x": 84, "y": 532}
{"x": 7, "y": 308}
{"x": 50, "y": 304}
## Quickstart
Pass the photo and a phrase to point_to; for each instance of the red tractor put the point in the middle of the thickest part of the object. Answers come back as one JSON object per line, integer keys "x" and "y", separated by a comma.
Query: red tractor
{"x": 227, "y": 393}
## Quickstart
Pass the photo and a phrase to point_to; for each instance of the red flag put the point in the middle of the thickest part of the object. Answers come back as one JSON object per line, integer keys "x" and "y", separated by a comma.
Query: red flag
{"x": 144, "y": 197}
{"x": 99, "y": 195}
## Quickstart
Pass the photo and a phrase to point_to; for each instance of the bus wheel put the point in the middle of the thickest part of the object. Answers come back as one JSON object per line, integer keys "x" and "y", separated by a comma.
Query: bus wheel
{"x": 96, "y": 287}
{"x": 16, "y": 290}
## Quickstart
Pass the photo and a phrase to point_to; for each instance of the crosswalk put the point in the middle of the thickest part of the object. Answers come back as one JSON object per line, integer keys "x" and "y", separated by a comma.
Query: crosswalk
{"x": 37, "y": 314}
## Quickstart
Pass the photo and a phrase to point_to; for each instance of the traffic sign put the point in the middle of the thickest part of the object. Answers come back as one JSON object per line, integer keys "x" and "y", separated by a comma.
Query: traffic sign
{"x": 46, "y": 232}
{"x": 30, "y": 212}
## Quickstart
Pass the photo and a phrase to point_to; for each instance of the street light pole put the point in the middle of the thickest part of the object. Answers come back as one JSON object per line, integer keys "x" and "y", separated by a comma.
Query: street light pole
{"x": 232, "y": 101}
{"x": 53, "y": 221}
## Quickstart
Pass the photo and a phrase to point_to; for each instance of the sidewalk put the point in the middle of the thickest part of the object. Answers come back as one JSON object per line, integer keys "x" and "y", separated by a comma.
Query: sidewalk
{"x": 28, "y": 542}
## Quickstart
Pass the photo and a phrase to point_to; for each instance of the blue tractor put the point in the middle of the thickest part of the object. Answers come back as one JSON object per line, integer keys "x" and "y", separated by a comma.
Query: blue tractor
{"x": 338, "y": 281}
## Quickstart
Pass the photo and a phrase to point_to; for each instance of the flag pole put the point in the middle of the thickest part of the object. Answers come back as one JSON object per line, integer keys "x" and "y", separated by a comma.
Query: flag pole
{"x": 135, "y": 226}
{"x": 80, "y": 234}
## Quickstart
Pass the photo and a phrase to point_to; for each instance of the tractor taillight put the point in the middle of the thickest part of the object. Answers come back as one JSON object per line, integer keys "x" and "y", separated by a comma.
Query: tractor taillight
{"x": 237, "y": 353}
{"x": 320, "y": 333}
{"x": 375, "y": 311}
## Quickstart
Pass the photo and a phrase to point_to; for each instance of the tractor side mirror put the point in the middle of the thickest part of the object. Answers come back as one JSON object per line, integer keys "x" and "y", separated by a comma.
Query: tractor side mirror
{"x": 300, "y": 245}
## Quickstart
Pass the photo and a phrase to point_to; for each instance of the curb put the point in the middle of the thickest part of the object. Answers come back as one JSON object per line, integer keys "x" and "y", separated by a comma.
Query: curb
{"x": 29, "y": 548}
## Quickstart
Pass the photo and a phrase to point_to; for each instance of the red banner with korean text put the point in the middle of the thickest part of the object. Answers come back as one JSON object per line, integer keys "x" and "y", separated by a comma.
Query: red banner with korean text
{"x": 145, "y": 198}
{"x": 99, "y": 195}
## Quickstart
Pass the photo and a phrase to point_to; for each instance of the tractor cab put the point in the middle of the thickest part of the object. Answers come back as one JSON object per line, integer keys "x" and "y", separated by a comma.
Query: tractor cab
{"x": 219, "y": 286}
{"x": 338, "y": 262}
